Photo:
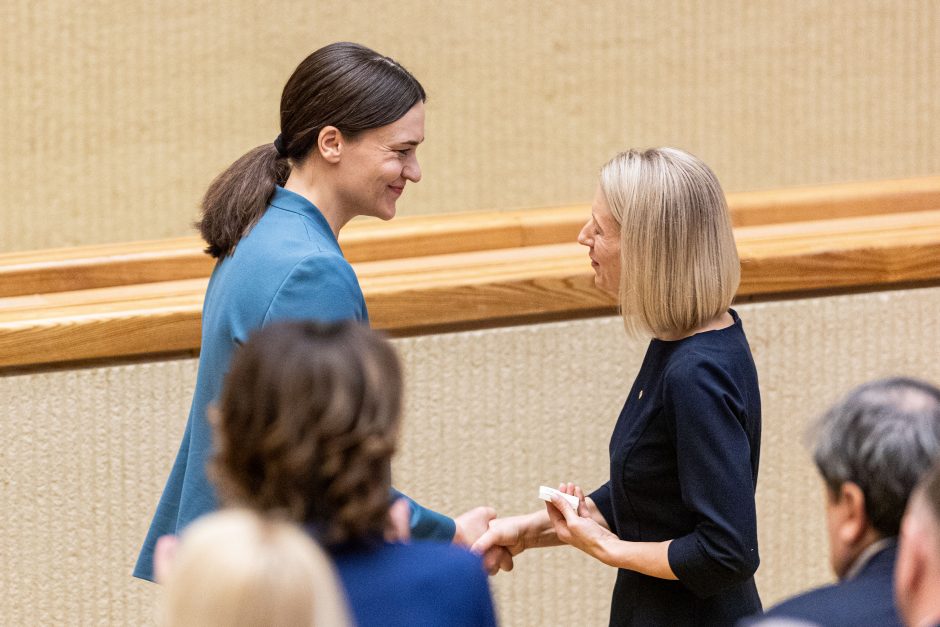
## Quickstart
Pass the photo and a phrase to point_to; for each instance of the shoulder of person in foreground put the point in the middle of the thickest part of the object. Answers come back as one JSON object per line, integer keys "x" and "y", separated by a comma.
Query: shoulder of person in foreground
{"x": 852, "y": 604}
{"x": 424, "y": 579}
{"x": 460, "y": 573}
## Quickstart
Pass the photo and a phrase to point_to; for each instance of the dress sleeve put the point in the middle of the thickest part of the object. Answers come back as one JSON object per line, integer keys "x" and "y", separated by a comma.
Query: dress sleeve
{"x": 321, "y": 287}
{"x": 713, "y": 456}
{"x": 601, "y": 498}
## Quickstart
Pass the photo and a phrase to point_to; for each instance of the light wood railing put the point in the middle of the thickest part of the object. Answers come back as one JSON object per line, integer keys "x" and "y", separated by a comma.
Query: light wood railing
{"x": 426, "y": 274}
{"x": 90, "y": 267}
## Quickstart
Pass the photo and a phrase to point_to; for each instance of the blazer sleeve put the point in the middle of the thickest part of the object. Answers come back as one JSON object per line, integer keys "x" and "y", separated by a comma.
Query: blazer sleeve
{"x": 321, "y": 286}
{"x": 715, "y": 475}
{"x": 426, "y": 524}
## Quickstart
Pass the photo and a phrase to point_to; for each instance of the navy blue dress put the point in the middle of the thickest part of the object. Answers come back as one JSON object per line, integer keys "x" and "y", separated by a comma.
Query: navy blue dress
{"x": 421, "y": 583}
{"x": 288, "y": 266}
{"x": 683, "y": 467}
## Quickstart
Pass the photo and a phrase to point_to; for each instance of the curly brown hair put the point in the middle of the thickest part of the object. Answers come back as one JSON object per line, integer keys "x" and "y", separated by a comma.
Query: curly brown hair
{"x": 306, "y": 427}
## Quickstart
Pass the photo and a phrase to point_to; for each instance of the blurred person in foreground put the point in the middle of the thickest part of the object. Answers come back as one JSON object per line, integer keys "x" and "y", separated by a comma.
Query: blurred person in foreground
{"x": 235, "y": 568}
{"x": 306, "y": 428}
{"x": 871, "y": 449}
{"x": 917, "y": 574}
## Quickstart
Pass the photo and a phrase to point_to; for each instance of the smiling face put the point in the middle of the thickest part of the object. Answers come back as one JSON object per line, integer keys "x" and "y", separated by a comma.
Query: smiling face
{"x": 601, "y": 234}
{"x": 376, "y": 165}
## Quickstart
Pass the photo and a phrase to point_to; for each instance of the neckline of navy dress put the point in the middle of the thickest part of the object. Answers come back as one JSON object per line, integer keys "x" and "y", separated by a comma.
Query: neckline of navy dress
{"x": 736, "y": 324}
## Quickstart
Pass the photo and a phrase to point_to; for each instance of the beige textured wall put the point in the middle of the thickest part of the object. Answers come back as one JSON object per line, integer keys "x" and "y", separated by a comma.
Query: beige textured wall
{"x": 490, "y": 416}
{"x": 115, "y": 115}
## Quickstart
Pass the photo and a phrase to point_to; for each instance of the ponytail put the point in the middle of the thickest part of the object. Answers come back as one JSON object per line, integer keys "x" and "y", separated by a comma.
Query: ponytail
{"x": 345, "y": 85}
{"x": 238, "y": 197}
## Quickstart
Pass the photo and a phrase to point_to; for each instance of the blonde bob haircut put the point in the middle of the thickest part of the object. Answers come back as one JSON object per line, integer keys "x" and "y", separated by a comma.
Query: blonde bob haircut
{"x": 237, "y": 568}
{"x": 679, "y": 263}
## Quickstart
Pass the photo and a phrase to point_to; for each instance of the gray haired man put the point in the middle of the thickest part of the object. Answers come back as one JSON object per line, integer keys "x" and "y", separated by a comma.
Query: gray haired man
{"x": 871, "y": 450}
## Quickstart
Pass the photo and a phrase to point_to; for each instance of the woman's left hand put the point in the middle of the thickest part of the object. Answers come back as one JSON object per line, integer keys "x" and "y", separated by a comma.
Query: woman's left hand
{"x": 577, "y": 528}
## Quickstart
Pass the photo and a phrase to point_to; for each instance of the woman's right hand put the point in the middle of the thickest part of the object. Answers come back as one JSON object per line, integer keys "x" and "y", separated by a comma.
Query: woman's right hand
{"x": 576, "y": 526}
{"x": 515, "y": 534}
{"x": 586, "y": 506}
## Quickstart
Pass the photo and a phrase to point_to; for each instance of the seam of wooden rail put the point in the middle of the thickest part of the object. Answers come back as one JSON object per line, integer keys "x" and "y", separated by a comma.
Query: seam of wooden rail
{"x": 90, "y": 267}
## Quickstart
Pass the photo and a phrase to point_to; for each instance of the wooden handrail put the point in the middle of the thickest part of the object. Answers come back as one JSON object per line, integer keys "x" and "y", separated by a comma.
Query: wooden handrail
{"x": 91, "y": 267}
{"x": 845, "y": 200}
{"x": 522, "y": 283}
{"x": 861, "y": 252}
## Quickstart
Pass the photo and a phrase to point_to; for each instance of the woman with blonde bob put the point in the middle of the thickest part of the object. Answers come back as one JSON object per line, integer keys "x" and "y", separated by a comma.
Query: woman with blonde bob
{"x": 236, "y": 568}
{"x": 677, "y": 517}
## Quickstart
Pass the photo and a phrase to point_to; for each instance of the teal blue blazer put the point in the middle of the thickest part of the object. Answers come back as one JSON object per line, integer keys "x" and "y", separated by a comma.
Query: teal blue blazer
{"x": 288, "y": 266}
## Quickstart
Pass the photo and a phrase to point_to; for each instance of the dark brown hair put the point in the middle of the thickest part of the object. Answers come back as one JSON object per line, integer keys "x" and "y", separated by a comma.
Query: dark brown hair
{"x": 345, "y": 85}
{"x": 307, "y": 425}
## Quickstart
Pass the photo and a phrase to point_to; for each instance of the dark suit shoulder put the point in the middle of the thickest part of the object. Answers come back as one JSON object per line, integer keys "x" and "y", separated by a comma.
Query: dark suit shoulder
{"x": 419, "y": 583}
{"x": 855, "y": 603}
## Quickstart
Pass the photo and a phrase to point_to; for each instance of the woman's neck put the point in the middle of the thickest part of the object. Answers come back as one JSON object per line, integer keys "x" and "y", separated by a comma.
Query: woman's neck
{"x": 303, "y": 182}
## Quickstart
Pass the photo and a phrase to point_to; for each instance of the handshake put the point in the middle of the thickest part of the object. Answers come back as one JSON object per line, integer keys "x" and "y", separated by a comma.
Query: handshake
{"x": 568, "y": 518}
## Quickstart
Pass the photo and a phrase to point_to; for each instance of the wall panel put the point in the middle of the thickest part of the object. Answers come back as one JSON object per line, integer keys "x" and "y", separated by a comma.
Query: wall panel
{"x": 490, "y": 415}
{"x": 116, "y": 115}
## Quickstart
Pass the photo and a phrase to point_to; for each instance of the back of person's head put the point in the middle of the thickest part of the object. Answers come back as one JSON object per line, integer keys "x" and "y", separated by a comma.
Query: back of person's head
{"x": 917, "y": 573}
{"x": 679, "y": 262}
{"x": 882, "y": 437}
{"x": 235, "y": 568}
{"x": 344, "y": 85}
{"x": 307, "y": 424}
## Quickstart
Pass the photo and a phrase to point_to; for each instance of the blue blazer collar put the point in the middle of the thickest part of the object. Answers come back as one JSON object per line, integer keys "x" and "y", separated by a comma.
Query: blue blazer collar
{"x": 291, "y": 201}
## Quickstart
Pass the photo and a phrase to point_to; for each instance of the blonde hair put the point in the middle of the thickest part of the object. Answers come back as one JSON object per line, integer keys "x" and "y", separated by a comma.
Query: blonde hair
{"x": 236, "y": 568}
{"x": 679, "y": 262}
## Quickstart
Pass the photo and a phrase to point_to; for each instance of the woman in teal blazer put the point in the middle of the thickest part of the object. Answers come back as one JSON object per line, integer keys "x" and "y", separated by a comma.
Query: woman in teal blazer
{"x": 351, "y": 120}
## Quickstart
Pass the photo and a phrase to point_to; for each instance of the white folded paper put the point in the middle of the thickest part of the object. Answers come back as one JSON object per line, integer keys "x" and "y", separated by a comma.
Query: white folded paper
{"x": 545, "y": 493}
